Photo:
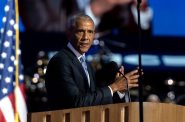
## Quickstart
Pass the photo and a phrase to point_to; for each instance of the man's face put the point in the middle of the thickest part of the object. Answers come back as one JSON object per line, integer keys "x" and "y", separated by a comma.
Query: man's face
{"x": 83, "y": 36}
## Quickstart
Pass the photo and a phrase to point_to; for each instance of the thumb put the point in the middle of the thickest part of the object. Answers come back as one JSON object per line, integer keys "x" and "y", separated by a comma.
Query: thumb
{"x": 122, "y": 70}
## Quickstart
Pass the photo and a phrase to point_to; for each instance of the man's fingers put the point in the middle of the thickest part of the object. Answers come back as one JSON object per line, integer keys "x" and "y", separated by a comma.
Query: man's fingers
{"x": 133, "y": 81}
{"x": 132, "y": 73}
{"x": 133, "y": 85}
{"x": 133, "y": 77}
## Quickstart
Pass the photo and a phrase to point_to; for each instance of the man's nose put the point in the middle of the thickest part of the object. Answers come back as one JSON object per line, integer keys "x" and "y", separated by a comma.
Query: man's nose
{"x": 85, "y": 35}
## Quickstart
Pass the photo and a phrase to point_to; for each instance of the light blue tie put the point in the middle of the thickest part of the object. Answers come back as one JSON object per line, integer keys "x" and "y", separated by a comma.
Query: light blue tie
{"x": 84, "y": 65}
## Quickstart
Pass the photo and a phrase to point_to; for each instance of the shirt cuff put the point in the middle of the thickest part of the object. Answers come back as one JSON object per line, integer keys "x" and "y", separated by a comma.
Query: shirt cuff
{"x": 121, "y": 95}
{"x": 111, "y": 90}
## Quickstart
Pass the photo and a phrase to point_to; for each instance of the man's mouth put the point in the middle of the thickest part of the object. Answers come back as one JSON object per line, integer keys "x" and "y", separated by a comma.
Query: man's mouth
{"x": 84, "y": 44}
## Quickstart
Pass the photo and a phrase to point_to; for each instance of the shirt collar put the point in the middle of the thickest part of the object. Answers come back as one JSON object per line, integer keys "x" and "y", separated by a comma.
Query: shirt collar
{"x": 77, "y": 54}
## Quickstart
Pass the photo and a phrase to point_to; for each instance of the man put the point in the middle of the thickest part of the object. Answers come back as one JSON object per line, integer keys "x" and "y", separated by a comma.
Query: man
{"x": 70, "y": 82}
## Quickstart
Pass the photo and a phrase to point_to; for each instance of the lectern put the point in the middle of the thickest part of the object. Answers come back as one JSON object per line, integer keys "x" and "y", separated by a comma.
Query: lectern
{"x": 122, "y": 112}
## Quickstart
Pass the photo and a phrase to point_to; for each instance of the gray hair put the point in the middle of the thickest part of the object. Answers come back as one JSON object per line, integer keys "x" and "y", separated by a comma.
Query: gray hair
{"x": 71, "y": 23}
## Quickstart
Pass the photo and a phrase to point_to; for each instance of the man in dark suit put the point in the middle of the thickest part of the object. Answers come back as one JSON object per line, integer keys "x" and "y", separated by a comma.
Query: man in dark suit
{"x": 71, "y": 82}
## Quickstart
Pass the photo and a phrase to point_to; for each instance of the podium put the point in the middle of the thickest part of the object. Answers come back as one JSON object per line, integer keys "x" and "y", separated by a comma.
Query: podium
{"x": 122, "y": 112}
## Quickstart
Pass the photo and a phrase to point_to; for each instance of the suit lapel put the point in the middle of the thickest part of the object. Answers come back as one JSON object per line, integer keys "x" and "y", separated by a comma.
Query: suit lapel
{"x": 78, "y": 65}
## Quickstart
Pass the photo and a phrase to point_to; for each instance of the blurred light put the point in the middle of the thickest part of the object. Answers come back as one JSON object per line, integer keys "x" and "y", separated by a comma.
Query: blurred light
{"x": 147, "y": 60}
{"x": 1, "y": 66}
{"x": 10, "y": 69}
{"x": 44, "y": 99}
{"x": 34, "y": 80}
{"x": 105, "y": 58}
{"x": 173, "y": 60}
{"x": 45, "y": 68}
{"x": 12, "y": 22}
{"x": 32, "y": 88}
{"x": 2, "y": 30}
{"x": 153, "y": 98}
{"x": 171, "y": 95}
{"x": 21, "y": 77}
{"x": 148, "y": 87}
{"x": 102, "y": 43}
{"x": 36, "y": 75}
{"x": 40, "y": 85}
{"x": 9, "y": 33}
{"x": 41, "y": 53}
{"x": 3, "y": 55}
{"x": 7, "y": 8}
{"x": 96, "y": 42}
{"x": 89, "y": 57}
{"x": 4, "y": 19}
{"x": 170, "y": 81}
{"x": 42, "y": 80}
{"x": 15, "y": 62}
{"x": 6, "y": 44}
{"x": 12, "y": 58}
{"x": 15, "y": 26}
{"x": 40, "y": 71}
{"x": 181, "y": 83}
{"x": 45, "y": 61}
{"x": 117, "y": 58}
{"x": 39, "y": 62}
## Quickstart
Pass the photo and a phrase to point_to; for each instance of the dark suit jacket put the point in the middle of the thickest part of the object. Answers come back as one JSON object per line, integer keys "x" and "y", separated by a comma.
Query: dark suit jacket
{"x": 67, "y": 84}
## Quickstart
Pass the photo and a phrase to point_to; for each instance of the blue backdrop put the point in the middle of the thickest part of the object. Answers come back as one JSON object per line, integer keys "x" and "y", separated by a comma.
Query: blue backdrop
{"x": 169, "y": 17}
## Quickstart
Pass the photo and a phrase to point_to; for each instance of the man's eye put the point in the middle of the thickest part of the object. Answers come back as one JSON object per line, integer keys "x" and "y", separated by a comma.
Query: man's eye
{"x": 79, "y": 31}
{"x": 83, "y": 31}
{"x": 90, "y": 31}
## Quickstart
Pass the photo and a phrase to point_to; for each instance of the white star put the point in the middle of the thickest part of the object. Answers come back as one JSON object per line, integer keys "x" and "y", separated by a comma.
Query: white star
{"x": 10, "y": 69}
{"x": 14, "y": 83}
{"x": 4, "y": 19}
{"x": 3, "y": 55}
{"x": 2, "y": 30}
{"x": 7, "y": 80}
{"x": 6, "y": 44}
{"x": 5, "y": 90}
{"x": 6, "y": 8}
{"x": 12, "y": 58}
{"x": 15, "y": 26}
{"x": 12, "y": 22}
{"x": 15, "y": 62}
{"x": 9, "y": 33}
{"x": 1, "y": 66}
{"x": 19, "y": 51}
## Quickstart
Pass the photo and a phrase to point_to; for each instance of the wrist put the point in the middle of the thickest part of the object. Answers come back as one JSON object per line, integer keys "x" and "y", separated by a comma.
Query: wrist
{"x": 113, "y": 87}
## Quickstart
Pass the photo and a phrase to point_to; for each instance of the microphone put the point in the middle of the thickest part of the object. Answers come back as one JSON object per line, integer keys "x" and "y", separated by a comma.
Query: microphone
{"x": 113, "y": 67}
